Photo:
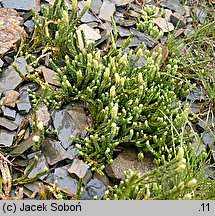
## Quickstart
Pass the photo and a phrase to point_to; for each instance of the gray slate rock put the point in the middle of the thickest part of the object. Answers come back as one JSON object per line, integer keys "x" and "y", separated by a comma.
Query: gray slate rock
{"x": 128, "y": 160}
{"x": 24, "y": 104}
{"x": 94, "y": 188}
{"x": 178, "y": 20}
{"x": 107, "y": 10}
{"x": 8, "y": 124}
{"x": 122, "y": 2}
{"x": 87, "y": 17}
{"x": 53, "y": 151}
{"x": 29, "y": 26}
{"x": 73, "y": 152}
{"x": 39, "y": 168}
{"x": 208, "y": 138}
{"x": 67, "y": 123}
{"x": 174, "y": 5}
{"x": 9, "y": 79}
{"x": 6, "y": 138}
{"x": 95, "y": 6}
{"x": 64, "y": 180}
{"x": 102, "y": 178}
{"x": 8, "y": 112}
{"x": 24, "y": 145}
{"x": 149, "y": 41}
{"x": 123, "y": 32}
{"x": 78, "y": 168}
{"x": 22, "y": 5}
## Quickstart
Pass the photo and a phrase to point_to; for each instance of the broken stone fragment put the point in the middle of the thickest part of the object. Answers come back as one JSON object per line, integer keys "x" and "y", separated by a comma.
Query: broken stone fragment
{"x": 11, "y": 33}
{"x": 22, "y": 5}
{"x": 164, "y": 25}
{"x": 102, "y": 178}
{"x": 87, "y": 17}
{"x": 64, "y": 179}
{"x": 69, "y": 122}
{"x": 174, "y": 5}
{"x": 167, "y": 14}
{"x": 95, "y": 187}
{"x": 78, "y": 168}
{"x": 24, "y": 104}
{"x": 90, "y": 34}
{"x": 10, "y": 79}
{"x": 178, "y": 20}
{"x": 165, "y": 52}
{"x": 53, "y": 151}
{"x": 11, "y": 98}
{"x": 39, "y": 168}
{"x": 10, "y": 125}
{"x": 107, "y": 10}
{"x": 122, "y": 2}
{"x": 123, "y": 32}
{"x": 95, "y": 6}
{"x": 133, "y": 13}
{"x": 6, "y": 138}
{"x": 21, "y": 64}
{"x": 127, "y": 23}
{"x": 126, "y": 160}
{"x": 48, "y": 74}
{"x": 144, "y": 38}
{"x": 24, "y": 145}
{"x": 8, "y": 112}
{"x": 178, "y": 32}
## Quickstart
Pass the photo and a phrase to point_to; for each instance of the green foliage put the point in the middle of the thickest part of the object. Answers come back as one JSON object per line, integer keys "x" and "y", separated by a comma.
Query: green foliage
{"x": 127, "y": 103}
{"x": 181, "y": 178}
{"x": 146, "y": 22}
{"x": 195, "y": 51}
{"x": 55, "y": 30}
{"x": 24, "y": 178}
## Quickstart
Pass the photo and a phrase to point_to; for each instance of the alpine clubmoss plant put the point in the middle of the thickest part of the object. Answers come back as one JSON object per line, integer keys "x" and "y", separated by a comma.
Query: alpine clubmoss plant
{"x": 146, "y": 24}
{"x": 128, "y": 104}
{"x": 54, "y": 31}
{"x": 183, "y": 178}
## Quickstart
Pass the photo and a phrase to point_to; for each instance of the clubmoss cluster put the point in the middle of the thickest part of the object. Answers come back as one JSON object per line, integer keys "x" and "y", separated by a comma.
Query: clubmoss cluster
{"x": 128, "y": 104}
{"x": 146, "y": 22}
{"x": 178, "y": 179}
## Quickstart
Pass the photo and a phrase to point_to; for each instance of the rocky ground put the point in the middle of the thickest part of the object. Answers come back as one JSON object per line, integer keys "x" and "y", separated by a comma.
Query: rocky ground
{"x": 57, "y": 153}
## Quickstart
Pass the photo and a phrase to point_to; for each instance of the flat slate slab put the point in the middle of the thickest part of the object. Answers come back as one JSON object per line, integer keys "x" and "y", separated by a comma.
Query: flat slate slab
{"x": 22, "y": 5}
{"x": 6, "y": 123}
{"x": 54, "y": 151}
{"x": 6, "y": 138}
{"x": 107, "y": 10}
{"x": 69, "y": 122}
